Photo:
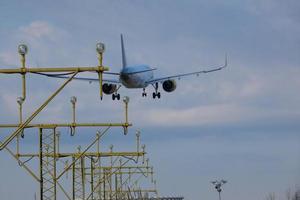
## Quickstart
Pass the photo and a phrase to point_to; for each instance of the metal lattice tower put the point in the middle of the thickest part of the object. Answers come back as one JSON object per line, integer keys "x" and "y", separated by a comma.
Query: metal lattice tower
{"x": 95, "y": 178}
{"x": 78, "y": 177}
{"x": 48, "y": 164}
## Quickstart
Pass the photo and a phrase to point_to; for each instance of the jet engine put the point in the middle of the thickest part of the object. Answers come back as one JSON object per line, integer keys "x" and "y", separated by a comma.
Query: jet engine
{"x": 169, "y": 85}
{"x": 109, "y": 88}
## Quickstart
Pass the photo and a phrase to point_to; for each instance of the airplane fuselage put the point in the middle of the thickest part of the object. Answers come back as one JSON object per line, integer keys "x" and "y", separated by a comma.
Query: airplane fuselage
{"x": 136, "y": 76}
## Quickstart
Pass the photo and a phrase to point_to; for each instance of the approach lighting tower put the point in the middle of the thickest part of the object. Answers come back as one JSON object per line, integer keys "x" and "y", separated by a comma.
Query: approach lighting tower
{"x": 218, "y": 185}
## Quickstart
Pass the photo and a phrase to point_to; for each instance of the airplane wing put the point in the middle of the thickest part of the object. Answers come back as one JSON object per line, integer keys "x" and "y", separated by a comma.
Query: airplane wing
{"x": 90, "y": 80}
{"x": 197, "y": 73}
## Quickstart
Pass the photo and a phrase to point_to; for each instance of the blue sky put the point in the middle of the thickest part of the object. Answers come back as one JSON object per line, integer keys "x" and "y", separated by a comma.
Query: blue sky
{"x": 241, "y": 124}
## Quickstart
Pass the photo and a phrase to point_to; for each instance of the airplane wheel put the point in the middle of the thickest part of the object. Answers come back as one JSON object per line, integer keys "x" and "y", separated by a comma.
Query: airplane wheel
{"x": 118, "y": 96}
{"x": 153, "y": 95}
{"x": 113, "y": 97}
{"x": 158, "y": 95}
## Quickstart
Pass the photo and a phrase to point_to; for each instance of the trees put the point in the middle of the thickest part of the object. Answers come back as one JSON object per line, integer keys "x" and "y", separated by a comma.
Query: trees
{"x": 271, "y": 196}
{"x": 296, "y": 196}
{"x": 290, "y": 195}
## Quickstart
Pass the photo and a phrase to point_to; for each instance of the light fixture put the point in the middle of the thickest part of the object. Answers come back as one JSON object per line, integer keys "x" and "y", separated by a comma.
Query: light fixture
{"x": 100, "y": 48}
{"x": 218, "y": 185}
{"x": 20, "y": 100}
{"x": 22, "y": 49}
{"x": 138, "y": 133}
{"x": 73, "y": 100}
{"x": 126, "y": 99}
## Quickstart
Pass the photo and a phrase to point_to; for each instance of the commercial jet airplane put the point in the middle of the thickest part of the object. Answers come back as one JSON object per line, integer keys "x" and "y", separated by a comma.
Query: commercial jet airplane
{"x": 140, "y": 77}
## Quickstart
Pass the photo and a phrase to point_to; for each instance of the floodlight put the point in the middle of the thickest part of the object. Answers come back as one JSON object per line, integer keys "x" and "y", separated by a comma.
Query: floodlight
{"x": 100, "y": 48}
{"x": 223, "y": 181}
{"x": 73, "y": 100}
{"x": 218, "y": 185}
{"x": 126, "y": 99}
{"x": 138, "y": 133}
{"x": 22, "y": 49}
{"x": 20, "y": 100}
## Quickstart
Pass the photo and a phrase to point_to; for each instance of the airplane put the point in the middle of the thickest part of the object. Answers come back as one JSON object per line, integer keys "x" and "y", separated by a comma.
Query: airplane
{"x": 139, "y": 77}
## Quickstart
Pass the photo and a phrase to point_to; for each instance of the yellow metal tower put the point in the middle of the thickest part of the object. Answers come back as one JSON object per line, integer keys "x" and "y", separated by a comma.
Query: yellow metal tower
{"x": 93, "y": 177}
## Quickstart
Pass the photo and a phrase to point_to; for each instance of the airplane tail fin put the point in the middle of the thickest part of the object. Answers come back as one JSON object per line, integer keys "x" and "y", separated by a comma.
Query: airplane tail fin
{"x": 124, "y": 63}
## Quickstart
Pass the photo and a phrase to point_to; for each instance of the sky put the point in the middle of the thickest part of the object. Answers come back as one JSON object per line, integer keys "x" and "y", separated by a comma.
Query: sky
{"x": 240, "y": 124}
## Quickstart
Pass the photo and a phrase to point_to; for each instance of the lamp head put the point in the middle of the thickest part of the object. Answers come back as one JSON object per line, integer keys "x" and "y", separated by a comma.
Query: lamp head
{"x": 20, "y": 100}
{"x": 126, "y": 99}
{"x": 138, "y": 133}
{"x": 100, "y": 48}
{"x": 73, "y": 100}
{"x": 22, "y": 49}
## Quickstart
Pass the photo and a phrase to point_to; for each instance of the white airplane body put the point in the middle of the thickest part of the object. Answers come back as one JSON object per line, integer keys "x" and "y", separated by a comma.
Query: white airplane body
{"x": 137, "y": 76}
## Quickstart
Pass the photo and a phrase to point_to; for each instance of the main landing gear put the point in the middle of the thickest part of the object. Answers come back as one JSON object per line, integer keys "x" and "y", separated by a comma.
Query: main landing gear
{"x": 156, "y": 93}
{"x": 115, "y": 96}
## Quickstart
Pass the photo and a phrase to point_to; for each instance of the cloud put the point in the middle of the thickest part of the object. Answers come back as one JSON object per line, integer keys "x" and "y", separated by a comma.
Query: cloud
{"x": 44, "y": 40}
{"x": 218, "y": 114}
{"x": 281, "y": 16}
{"x": 39, "y": 30}
{"x": 9, "y": 58}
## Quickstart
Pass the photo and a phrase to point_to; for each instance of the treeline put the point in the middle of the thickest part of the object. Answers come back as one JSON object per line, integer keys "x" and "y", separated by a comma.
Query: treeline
{"x": 289, "y": 195}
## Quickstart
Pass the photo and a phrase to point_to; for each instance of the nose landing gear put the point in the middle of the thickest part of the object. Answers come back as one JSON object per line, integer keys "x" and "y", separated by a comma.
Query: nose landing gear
{"x": 144, "y": 94}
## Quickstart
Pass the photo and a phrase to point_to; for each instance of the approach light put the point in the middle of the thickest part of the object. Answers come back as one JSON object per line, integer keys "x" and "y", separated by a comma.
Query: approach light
{"x": 223, "y": 181}
{"x": 138, "y": 133}
{"x": 20, "y": 100}
{"x": 100, "y": 48}
{"x": 22, "y": 49}
{"x": 73, "y": 100}
{"x": 126, "y": 99}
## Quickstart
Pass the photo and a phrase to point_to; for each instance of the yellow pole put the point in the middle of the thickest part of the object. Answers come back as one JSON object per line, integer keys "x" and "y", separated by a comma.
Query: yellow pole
{"x": 20, "y": 102}
{"x": 23, "y": 77}
{"x": 54, "y": 162}
{"x": 73, "y": 101}
{"x": 41, "y": 162}
{"x": 138, "y": 134}
{"x": 51, "y": 70}
{"x": 100, "y": 73}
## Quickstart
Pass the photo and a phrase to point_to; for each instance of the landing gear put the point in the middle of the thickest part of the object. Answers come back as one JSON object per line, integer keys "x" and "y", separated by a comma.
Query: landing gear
{"x": 115, "y": 96}
{"x": 144, "y": 94}
{"x": 156, "y": 93}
